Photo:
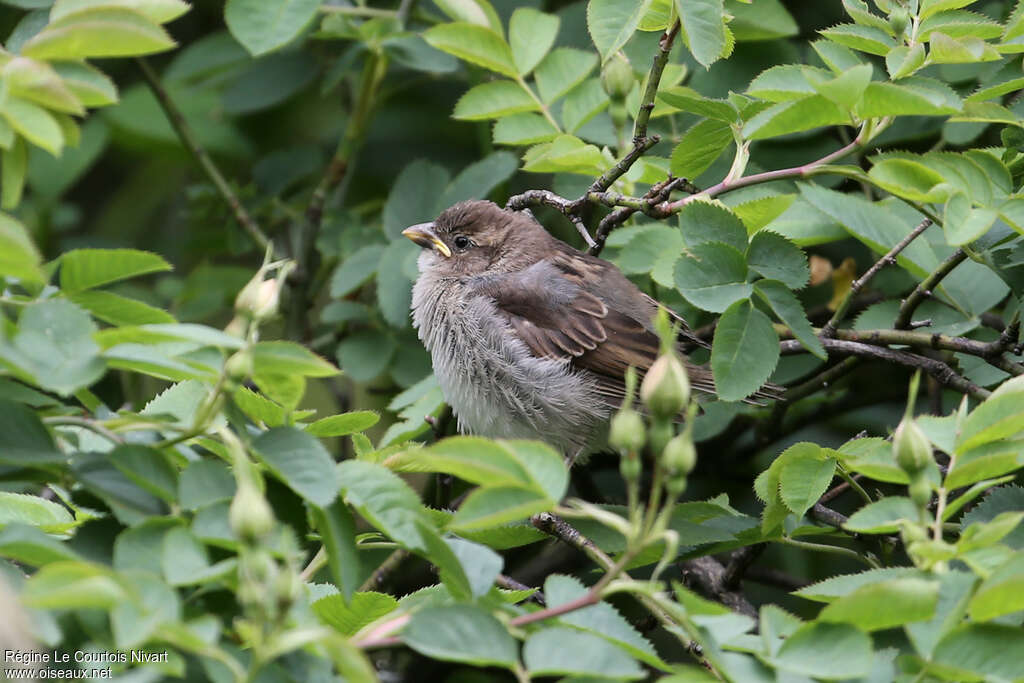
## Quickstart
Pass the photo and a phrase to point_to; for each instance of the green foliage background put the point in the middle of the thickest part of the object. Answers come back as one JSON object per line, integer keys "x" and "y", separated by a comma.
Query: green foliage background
{"x": 221, "y": 439}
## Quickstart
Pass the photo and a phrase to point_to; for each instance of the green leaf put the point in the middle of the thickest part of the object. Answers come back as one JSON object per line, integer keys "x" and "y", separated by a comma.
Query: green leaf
{"x": 531, "y": 34}
{"x": 845, "y": 585}
{"x": 355, "y": 270}
{"x": 12, "y": 181}
{"x": 148, "y": 468}
{"x": 155, "y": 362}
{"x": 944, "y": 49}
{"x": 18, "y": 254}
{"x": 119, "y": 310}
{"x": 908, "y": 179}
{"x": 72, "y": 585}
{"x": 699, "y": 147}
{"x": 562, "y": 70}
{"x": 54, "y": 345}
{"x": 24, "y": 441}
{"x": 583, "y": 103}
{"x": 885, "y": 604}
{"x": 20, "y": 508}
{"x": 28, "y": 545}
{"x": 480, "y": 564}
{"x": 964, "y": 224}
{"x": 92, "y": 87}
{"x": 689, "y": 100}
{"x": 702, "y": 23}
{"x": 493, "y": 100}
{"x": 523, "y": 129}
{"x": 477, "y": 180}
{"x": 496, "y": 505}
{"x": 300, "y": 461}
{"x": 413, "y": 197}
{"x": 904, "y": 61}
{"x": 349, "y": 617}
{"x": 802, "y": 481}
{"x": 785, "y": 82}
{"x": 204, "y": 482}
{"x": 883, "y": 516}
{"x": 387, "y": 502}
{"x": 913, "y": 96}
{"x": 828, "y": 651}
{"x": 337, "y": 530}
{"x": 183, "y": 557}
{"x": 813, "y": 111}
{"x": 160, "y": 11}
{"x": 475, "y": 44}
{"x": 709, "y": 221}
{"x": 394, "y": 292}
{"x": 39, "y": 82}
{"x": 344, "y": 424}
{"x": 776, "y": 258}
{"x": 762, "y": 20}
{"x": 36, "y": 124}
{"x": 999, "y": 417}
{"x": 556, "y": 652}
{"x": 601, "y": 619}
{"x": 712, "y": 276}
{"x": 868, "y": 39}
{"x": 474, "y": 11}
{"x": 873, "y": 458}
{"x": 612, "y": 23}
{"x": 996, "y": 502}
{"x": 88, "y": 268}
{"x": 262, "y": 26}
{"x": 99, "y": 32}
{"x": 364, "y": 355}
{"x": 744, "y": 351}
{"x": 873, "y": 225}
{"x": 565, "y": 154}
{"x": 461, "y": 633}
{"x": 790, "y": 311}
{"x": 642, "y": 252}
{"x": 285, "y": 358}
{"x": 989, "y": 650}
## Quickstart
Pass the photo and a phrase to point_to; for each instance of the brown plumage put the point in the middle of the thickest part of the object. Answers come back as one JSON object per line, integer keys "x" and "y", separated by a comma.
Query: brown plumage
{"x": 520, "y": 323}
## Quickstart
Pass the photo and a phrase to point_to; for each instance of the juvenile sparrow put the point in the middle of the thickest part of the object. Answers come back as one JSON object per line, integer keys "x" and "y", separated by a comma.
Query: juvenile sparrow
{"x": 529, "y": 337}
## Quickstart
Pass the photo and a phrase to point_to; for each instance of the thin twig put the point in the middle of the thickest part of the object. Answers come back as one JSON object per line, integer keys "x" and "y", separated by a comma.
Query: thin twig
{"x": 890, "y": 258}
{"x": 640, "y": 147}
{"x": 925, "y": 287}
{"x": 936, "y": 368}
{"x": 191, "y": 142}
{"x": 643, "y": 116}
{"x": 379, "y": 575}
{"x": 84, "y": 423}
{"x": 708, "y": 577}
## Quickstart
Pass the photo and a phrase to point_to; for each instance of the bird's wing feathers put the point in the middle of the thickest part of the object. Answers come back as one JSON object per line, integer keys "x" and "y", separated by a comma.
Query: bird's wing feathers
{"x": 555, "y": 317}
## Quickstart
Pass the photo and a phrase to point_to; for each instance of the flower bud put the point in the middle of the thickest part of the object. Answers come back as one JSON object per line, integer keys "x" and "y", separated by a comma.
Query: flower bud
{"x": 911, "y": 447}
{"x": 287, "y": 588}
{"x": 679, "y": 455}
{"x": 666, "y": 387}
{"x": 239, "y": 366}
{"x": 660, "y": 433}
{"x": 617, "y": 76}
{"x": 675, "y": 485}
{"x": 898, "y": 20}
{"x": 627, "y": 432}
{"x": 912, "y": 533}
{"x": 250, "y": 515}
{"x": 629, "y": 466}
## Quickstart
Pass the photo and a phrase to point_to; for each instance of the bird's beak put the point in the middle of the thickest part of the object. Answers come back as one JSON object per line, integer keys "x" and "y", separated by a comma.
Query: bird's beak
{"x": 423, "y": 234}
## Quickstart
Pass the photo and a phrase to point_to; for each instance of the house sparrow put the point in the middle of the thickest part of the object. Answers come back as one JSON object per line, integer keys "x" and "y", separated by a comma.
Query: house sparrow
{"x": 529, "y": 337}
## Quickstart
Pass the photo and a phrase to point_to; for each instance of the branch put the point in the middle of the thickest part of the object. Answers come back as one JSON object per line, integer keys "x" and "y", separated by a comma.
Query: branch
{"x": 379, "y": 575}
{"x": 640, "y": 146}
{"x": 924, "y": 289}
{"x": 708, "y": 577}
{"x": 727, "y": 185}
{"x": 191, "y": 143}
{"x": 859, "y": 284}
{"x": 990, "y": 351}
{"x": 569, "y": 209}
{"x": 653, "y": 79}
{"x": 305, "y": 251}
{"x": 937, "y": 369}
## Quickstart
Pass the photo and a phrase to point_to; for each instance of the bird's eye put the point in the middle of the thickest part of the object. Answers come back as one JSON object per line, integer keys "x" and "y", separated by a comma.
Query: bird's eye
{"x": 461, "y": 242}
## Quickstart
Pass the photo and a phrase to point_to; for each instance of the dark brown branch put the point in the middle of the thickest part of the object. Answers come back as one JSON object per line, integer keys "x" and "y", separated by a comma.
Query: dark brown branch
{"x": 828, "y": 516}
{"x": 924, "y": 289}
{"x": 739, "y": 562}
{"x": 658, "y": 193}
{"x": 191, "y": 143}
{"x": 706, "y": 575}
{"x": 380, "y": 574}
{"x": 890, "y": 258}
{"x": 640, "y": 147}
{"x": 936, "y": 368}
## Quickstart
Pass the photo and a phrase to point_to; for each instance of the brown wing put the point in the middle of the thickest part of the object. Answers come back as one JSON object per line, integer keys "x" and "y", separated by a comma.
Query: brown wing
{"x": 556, "y": 318}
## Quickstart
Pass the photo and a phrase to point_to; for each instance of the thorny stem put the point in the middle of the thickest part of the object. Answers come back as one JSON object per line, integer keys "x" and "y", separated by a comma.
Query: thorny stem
{"x": 191, "y": 142}
{"x": 643, "y": 116}
{"x": 925, "y": 287}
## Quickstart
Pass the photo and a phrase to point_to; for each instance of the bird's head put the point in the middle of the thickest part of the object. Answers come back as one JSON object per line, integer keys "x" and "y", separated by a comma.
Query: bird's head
{"x": 477, "y": 237}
